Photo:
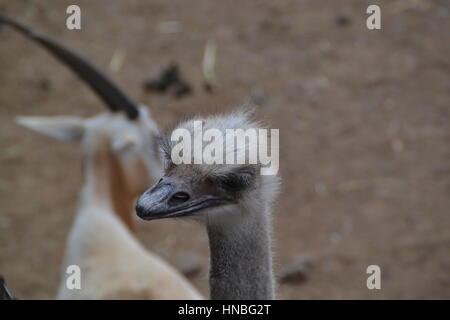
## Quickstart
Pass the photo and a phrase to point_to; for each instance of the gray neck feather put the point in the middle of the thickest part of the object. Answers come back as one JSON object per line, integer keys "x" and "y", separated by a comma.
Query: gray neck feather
{"x": 241, "y": 260}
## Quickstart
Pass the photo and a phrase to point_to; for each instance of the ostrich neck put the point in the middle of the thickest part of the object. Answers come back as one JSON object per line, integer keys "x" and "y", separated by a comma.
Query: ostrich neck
{"x": 241, "y": 261}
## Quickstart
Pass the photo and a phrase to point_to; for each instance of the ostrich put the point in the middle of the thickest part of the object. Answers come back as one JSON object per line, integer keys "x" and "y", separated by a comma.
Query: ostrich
{"x": 119, "y": 160}
{"x": 233, "y": 201}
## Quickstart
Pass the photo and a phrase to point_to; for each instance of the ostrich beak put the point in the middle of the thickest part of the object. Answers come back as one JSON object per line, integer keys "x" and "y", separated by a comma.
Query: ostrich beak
{"x": 166, "y": 199}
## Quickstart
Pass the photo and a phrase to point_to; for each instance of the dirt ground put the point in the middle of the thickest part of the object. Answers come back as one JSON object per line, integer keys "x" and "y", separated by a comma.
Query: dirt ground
{"x": 363, "y": 118}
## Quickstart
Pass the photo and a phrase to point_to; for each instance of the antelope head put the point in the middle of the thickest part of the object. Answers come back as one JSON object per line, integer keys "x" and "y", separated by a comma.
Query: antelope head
{"x": 126, "y": 133}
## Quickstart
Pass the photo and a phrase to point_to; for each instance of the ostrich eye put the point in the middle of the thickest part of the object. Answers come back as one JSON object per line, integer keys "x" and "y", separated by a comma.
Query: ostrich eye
{"x": 236, "y": 181}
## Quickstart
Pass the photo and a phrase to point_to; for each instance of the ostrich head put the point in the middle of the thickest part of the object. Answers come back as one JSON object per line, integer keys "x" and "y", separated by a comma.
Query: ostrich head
{"x": 210, "y": 192}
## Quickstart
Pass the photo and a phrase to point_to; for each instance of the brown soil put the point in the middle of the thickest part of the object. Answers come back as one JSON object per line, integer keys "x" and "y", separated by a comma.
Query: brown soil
{"x": 363, "y": 118}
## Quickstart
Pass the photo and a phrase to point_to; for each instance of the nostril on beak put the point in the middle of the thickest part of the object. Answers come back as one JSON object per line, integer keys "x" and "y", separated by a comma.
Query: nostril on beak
{"x": 140, "y": 209}
{"x": 179, "y": 198}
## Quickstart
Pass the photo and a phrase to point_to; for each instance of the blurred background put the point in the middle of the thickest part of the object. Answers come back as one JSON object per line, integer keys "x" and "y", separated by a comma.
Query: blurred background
{"x": 363, "y": 118}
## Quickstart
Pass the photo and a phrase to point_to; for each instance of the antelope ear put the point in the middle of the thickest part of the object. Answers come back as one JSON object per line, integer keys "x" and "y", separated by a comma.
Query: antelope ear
{"x": 65, "y": 128}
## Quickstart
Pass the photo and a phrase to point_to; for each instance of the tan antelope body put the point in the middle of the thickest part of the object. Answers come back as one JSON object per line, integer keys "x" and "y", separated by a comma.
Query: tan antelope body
{"x": 118, "y": 163}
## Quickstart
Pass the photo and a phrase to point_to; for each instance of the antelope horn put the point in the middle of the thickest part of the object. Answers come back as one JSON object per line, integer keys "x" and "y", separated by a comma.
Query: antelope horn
{"x": 4, "y": 292}
{"x": 115, "y": 98}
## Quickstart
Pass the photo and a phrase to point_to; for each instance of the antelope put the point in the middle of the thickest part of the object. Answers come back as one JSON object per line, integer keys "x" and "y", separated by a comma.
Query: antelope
{"x": 120, "y": 159}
